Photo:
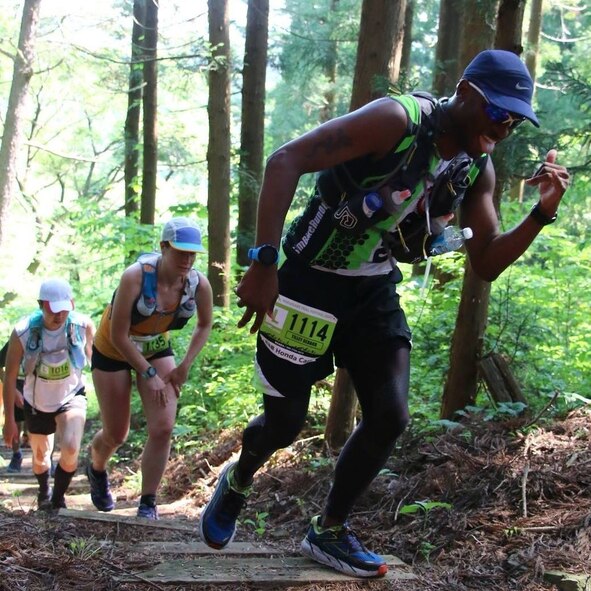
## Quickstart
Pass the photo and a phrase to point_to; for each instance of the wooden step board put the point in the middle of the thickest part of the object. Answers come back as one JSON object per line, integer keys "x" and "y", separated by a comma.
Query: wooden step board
{"x": 239, "y": 563}
{"x": 279, "y": 570}
{"x": 114, "y": 517}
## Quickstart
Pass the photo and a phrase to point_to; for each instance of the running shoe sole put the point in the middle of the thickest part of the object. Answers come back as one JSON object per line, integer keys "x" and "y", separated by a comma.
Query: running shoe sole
{"x": 315, "y": 553}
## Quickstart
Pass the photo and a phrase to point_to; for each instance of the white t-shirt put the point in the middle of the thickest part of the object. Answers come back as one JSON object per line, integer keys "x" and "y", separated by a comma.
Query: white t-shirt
{"x": 56, "y": 380}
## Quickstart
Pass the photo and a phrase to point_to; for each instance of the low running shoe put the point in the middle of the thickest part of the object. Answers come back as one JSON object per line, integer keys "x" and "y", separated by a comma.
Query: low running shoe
{"x": 218, "y": 520}
{"x": 340, "y": 548}
{"x": 16, "y": 462}
{"x": 147, "y": 512}
{"x": 100, "y": 491}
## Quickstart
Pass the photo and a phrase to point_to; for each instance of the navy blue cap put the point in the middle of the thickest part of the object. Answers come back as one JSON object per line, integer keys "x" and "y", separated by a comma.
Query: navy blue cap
{"x": 504, "y": 80}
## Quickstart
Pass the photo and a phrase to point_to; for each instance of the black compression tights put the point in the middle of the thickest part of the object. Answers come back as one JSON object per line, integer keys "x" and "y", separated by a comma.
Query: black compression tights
{"x": 381, "y": 377}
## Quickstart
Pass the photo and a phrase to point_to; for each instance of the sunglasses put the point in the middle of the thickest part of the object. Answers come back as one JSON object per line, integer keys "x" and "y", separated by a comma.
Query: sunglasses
{"x": 497, "y": 114}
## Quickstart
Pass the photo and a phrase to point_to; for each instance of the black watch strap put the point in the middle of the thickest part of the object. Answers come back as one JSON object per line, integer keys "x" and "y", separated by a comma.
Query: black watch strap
{"x": 540, "y": 217}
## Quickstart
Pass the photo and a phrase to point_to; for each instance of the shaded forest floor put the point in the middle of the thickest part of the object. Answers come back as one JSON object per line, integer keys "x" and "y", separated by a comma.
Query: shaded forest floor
{"x": 517, "y": 504}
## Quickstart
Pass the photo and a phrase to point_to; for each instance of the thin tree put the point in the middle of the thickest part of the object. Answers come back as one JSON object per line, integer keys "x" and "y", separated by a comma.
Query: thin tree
{"x": 380, "y": 21}
{"x": 218, "y": 153}
{"x": 150, "y": 114}
{"x": 253, "y": 123}
{"x": 134, "y": 104}
{"x": 467, "y": 341}
{"x": 12, "y": 134}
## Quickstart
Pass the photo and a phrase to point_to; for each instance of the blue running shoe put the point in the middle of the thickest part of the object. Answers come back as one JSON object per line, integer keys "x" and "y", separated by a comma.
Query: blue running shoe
{"x": 100, "y": 491}
{"x": 340, "y": 548}
{"x": 218, "y": 520}
{"x": 147, "y": 512}
{"x": 16, "y": 462}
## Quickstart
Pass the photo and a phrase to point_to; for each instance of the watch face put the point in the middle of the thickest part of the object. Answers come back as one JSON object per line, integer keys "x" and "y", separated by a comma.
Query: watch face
{"x": 151, "y": 372}
{"x": 267, "y": 255}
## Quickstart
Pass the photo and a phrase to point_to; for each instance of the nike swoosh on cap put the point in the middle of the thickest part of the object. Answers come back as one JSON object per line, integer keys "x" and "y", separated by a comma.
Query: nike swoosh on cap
{"x": 519, "y": 87}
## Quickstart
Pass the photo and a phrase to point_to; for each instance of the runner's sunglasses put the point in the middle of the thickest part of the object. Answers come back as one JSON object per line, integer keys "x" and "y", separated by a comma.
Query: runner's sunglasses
{"x": 497, "y": 114}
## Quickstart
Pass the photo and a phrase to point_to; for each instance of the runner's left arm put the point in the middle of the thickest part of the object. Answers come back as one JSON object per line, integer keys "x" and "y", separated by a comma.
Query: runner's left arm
{"x": 204, "y": 298}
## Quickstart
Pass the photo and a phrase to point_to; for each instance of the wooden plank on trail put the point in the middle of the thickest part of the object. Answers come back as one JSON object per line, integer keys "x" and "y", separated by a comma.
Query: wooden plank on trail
{"x": 194, "y": 548}
{"x": 231, "y": 569}
{"x": 113, "y": 517}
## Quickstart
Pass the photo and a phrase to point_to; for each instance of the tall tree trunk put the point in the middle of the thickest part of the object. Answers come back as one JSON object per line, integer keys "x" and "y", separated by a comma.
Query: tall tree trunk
{"x": 380, "y": 19}
{"x": 330, "y": 71}
{"x": 218, "y": 153}
{"x": 533, "y": 37}
{"x": 398, "y": 40}
{"x": 253, "y": 123}
{"x": 150, "y": 102}
{"x": 447, "y": 52}
{"x": 467, "y": 341}
{"x": 407, "y": 42}
{"x": 531, "y": 58}
{"x": 134, "y": 102}
{"x": 12, "y": 134}
{"x": 379, "y": 22}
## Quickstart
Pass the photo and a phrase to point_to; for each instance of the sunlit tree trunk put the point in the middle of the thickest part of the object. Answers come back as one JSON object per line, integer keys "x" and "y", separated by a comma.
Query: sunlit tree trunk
{"x": 134, "y": 103}
{"x": 218, "y": 153}
{"x": 380, "y": 19}
{"x": 467, "y": 341}
{"x": 531, "y": 58}
{"x": 150, "y": 104}
{"x": 12, "y": 133}
{"x": 252, "y": 124}
{"x": 398, "y": 40}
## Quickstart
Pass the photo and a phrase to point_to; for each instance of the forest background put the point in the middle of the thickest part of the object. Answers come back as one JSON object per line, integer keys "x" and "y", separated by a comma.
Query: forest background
{"x": 67, "y": 215}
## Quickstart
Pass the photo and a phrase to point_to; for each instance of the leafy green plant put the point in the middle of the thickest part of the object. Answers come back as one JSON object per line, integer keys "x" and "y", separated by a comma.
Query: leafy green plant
{"x": 83, "y": 548}
{"x": 425, "y": 549}
{"x": 259, "y": 523}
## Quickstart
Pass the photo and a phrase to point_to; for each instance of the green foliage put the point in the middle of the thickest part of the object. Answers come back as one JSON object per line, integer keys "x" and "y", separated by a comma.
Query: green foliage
{"x": 220, "y": 392}
{"x": 259, "y": 523}
{"x": 83, "y": 548}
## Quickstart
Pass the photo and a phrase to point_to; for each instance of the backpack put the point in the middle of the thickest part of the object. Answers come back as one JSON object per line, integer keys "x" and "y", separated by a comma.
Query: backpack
{"x": 75, "y": 336}
{"x": 146, "y": 303}
{"x": 411, "y": 162}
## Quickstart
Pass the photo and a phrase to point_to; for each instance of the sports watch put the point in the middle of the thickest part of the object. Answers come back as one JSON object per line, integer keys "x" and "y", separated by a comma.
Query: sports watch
{"x": 540, "y": 217}
{"x": 265, "y": 254}
{"x": 149, "y": 373}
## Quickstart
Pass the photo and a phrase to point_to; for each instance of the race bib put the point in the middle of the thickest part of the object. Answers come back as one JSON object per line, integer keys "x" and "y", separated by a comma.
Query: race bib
{"x": 299, "y": 328}
{"x": 47, "y": 371}
{"x": 151, "y": 344}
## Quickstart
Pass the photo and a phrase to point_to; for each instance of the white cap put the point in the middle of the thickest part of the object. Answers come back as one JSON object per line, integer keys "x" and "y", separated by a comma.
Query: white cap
{"x": 58, "y": 295}
{"x": 467, "y": 233}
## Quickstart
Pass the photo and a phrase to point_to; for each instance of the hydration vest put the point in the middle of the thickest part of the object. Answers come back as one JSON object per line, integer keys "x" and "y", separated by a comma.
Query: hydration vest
{"x": 411, "y": 164}
{"x": 75, "y": 335}
{"x": 145, "y": 305}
